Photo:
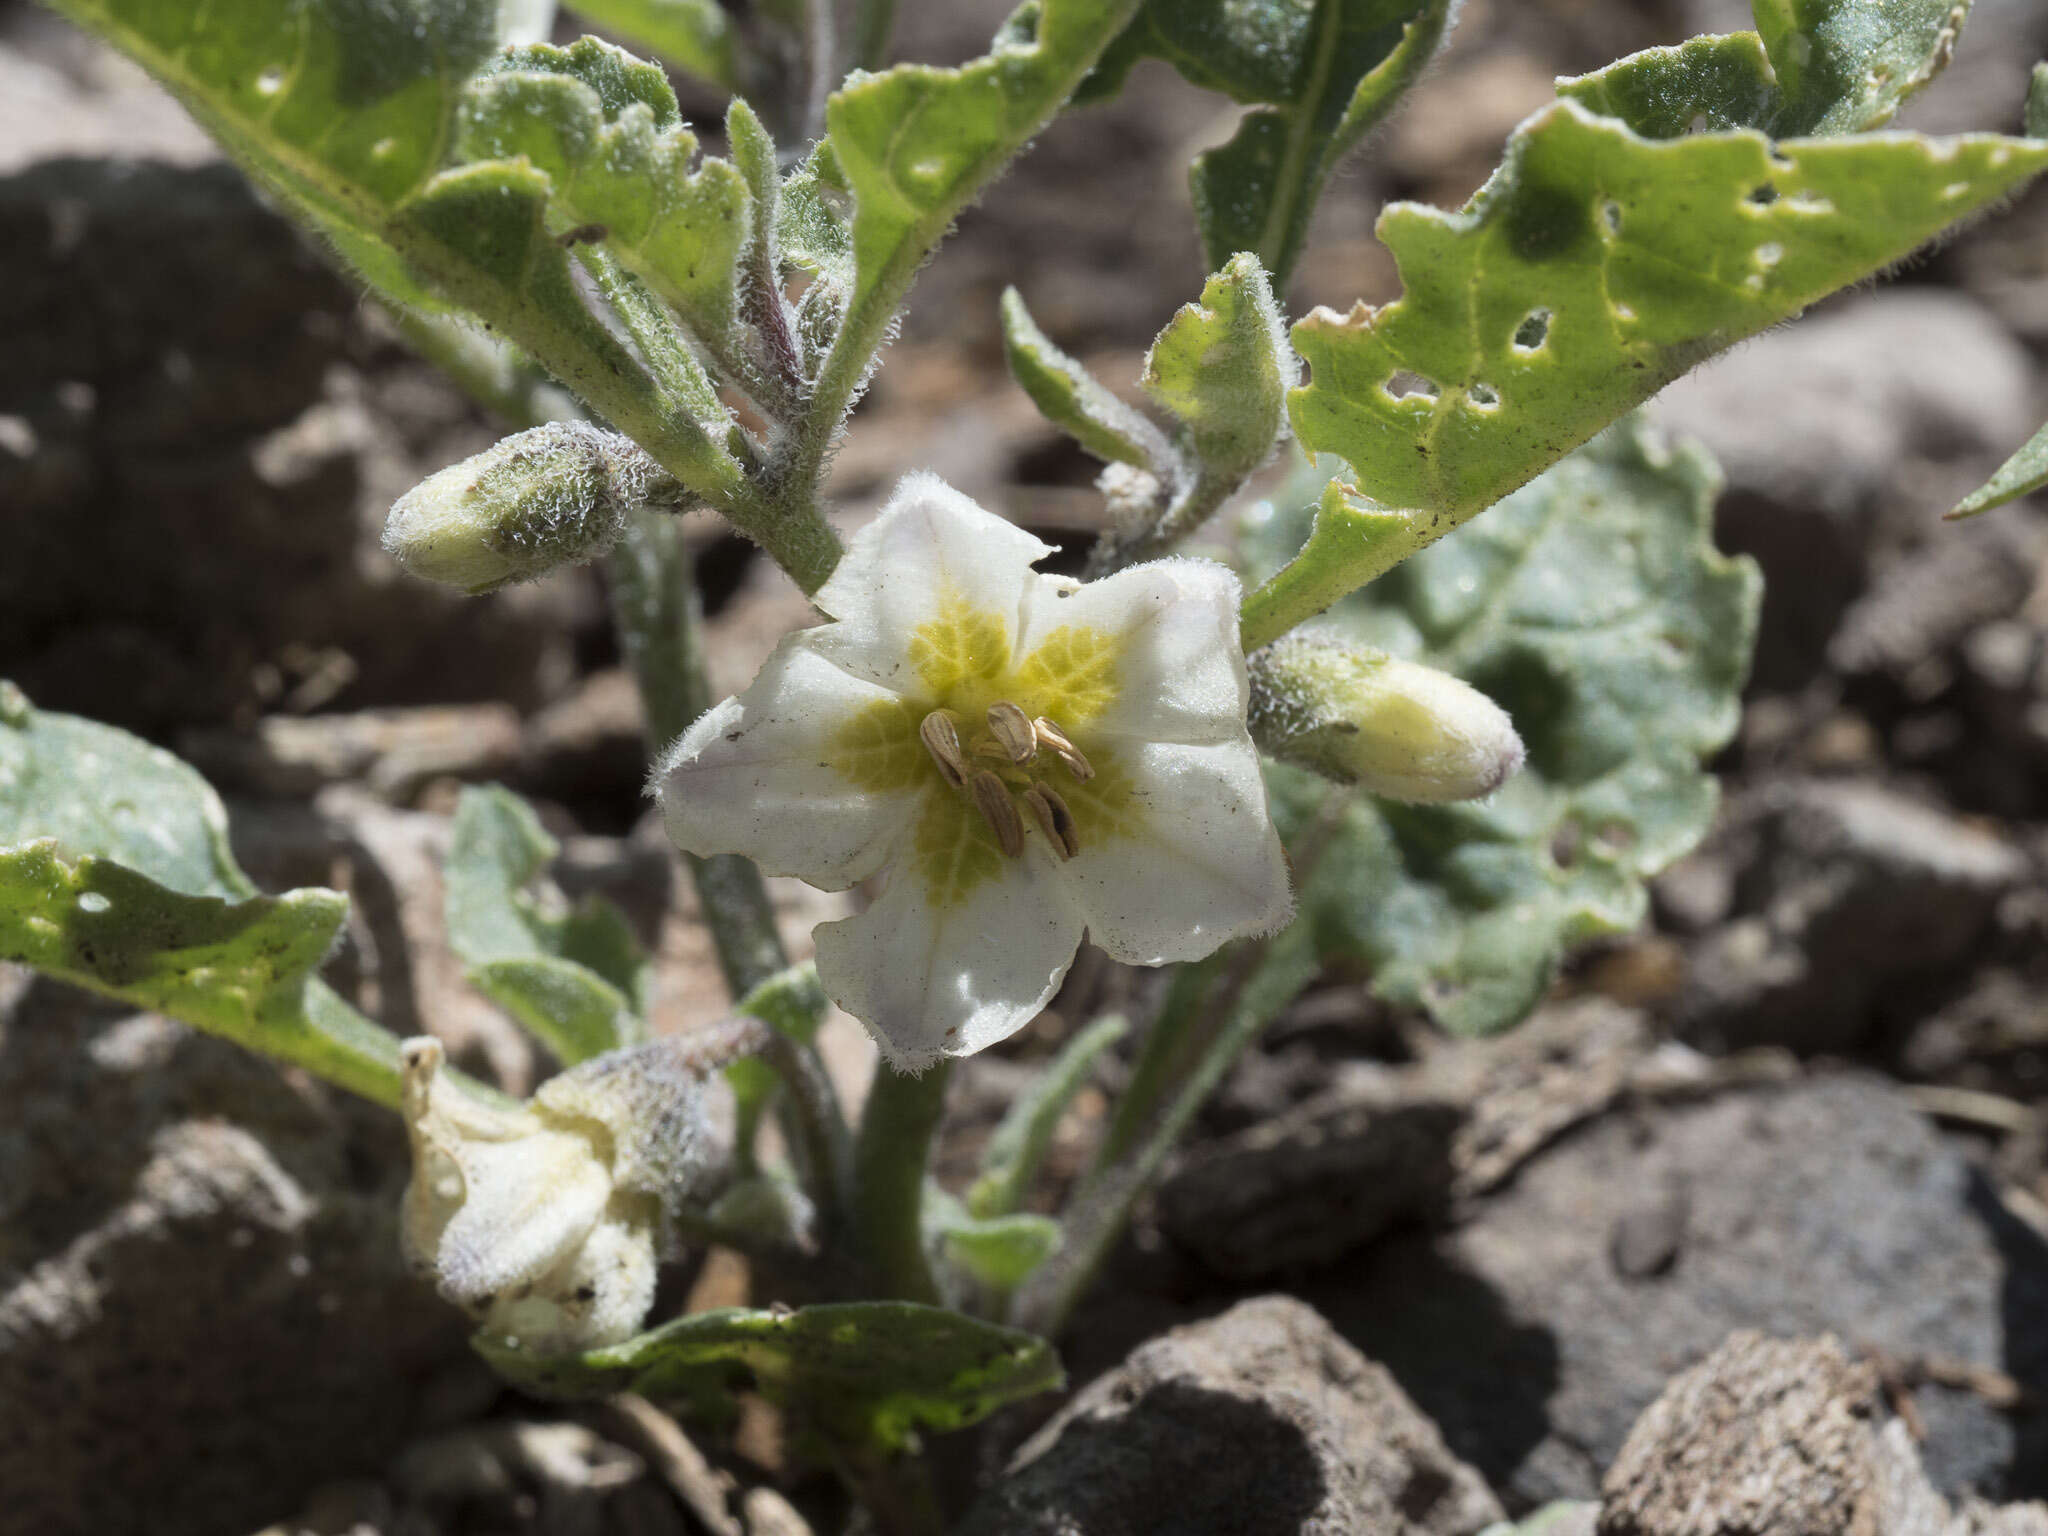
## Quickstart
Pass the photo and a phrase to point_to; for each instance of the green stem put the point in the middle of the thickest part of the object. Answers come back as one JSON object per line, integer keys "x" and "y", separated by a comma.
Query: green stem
{"x": 1191, "y": 1046}
{"x": 874, "y": 24}
{"x": 889, "y": 1161}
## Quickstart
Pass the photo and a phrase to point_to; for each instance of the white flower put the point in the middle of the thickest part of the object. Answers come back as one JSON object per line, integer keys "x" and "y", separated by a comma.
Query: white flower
{"x": 547, "y": 1220}
{"x": 1023, "y": 757}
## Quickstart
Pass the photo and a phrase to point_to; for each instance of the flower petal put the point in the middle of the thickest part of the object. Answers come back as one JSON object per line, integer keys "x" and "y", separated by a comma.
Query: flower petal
{"x": 1203, "y": 864}
{"x": 810, "y": 772}
{"x": 932, "y": 555}
{"x": 1172, "y": 625}
{"x": 948, "y": 979}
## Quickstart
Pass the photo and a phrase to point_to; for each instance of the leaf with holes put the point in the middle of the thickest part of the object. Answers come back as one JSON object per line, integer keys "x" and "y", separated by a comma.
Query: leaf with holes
{"x": 1593, "y": 607}
{"x": 1595, "y": 267}
{"x": 115, "y": 875}
{"x": 577, "y": 979}
{"x": 1812, "y": 67}
{"x": 863, "y": 1374}
{"x": 1318, "y": 76}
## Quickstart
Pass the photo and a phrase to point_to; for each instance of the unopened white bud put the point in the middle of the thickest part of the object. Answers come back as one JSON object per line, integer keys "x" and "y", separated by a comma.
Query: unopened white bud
{"x": 547, "y": 1221}
{"x": 557, "y": 495}
{"x": 1396, "y": 728}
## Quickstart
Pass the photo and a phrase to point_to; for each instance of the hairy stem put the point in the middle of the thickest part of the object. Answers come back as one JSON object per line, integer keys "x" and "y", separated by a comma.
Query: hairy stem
{"x": 889, "y": 1161}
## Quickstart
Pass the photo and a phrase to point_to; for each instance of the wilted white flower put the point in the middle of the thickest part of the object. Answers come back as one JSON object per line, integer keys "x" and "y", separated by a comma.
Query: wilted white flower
{"x": 1023, "y": 757}
{"x": 547, "y": 1220}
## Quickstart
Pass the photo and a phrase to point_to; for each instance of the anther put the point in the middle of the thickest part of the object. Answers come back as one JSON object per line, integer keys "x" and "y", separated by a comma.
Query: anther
{"x": 992, "y": 799}
{"x": 1013, "y": 731}
{"x": 1050, "y": 735}
{"x": 942, "y": 739}
{"x": 1054, "y": 820}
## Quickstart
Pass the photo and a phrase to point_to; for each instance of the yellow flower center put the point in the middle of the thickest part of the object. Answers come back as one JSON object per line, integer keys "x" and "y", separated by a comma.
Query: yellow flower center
{"x": 964, "y": 669}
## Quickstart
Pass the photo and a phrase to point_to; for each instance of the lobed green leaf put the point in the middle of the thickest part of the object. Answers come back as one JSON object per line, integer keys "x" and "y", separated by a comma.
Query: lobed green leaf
{"x": 1812, "y": 68}
{"x": 1595, "y": 267}
{"x": 1222, "y": 369}
{"x": 1593, "y": 607}
{"x": 866, "y": 1374}
{"x": 622, "y": 167}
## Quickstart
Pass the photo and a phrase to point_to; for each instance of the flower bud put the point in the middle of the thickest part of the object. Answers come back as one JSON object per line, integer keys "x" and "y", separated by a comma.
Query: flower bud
{"x": 557, "y": 495}
{"x": 1396, "y": 728}
{"x": 547, "y": 1221}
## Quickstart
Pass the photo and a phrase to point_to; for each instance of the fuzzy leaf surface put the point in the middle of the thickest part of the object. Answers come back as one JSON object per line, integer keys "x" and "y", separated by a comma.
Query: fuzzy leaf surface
{"x": 1318, "y": 75}
{"x": 1594, "y": 268}
{"x": 1812, "y": 67}
{"x": 916, "y": 144}
{"x": 1072, "y": 398}
{"x": 577, "y": 979}
{"x": 869, "y": 1374}
{"x": 1222, "y": 369}
{"x": 694, "y": 35}
{"x": 1593, "y": 607}
{"x": 115, "y": 875}
{"x": 348, "y": 111}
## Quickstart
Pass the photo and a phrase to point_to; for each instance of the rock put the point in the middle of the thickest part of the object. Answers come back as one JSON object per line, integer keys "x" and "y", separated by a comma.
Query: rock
{"x": 191, "y": 395}
{"x": 1259, "y": 1421}
{"x": 394, "y": 751}
{"x": 203, "y": 1312}
{"x": 1391, "y": 1147}
{"x": 1824, "y": 438}
{"x": 1765, "y": 1437}
{"x": 1829, "y": 1204}
{"x": 1844, "y": 894}
{"x": 1782, "y": 1437}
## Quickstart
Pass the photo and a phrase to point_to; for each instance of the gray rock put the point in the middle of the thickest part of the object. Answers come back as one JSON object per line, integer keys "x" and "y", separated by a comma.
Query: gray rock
{"x": 190, "y": 394}
{"x": 1826, "y": 437}
{"x": 1844, "y": 893}
{"x": 202, "y": 1308}
{"x": 1826, "y": 1205}
{"x": 1397, "y": 1146}
{"x": 1782, "y": 1437}
{"x": 1259, "y": 1421}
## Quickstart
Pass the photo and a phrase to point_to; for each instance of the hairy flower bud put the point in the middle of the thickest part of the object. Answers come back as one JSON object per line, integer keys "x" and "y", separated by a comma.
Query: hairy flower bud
{"x": 1396, "y": 728}
{"x": 557, "y": 495}
{"x": 546, "y": 1221}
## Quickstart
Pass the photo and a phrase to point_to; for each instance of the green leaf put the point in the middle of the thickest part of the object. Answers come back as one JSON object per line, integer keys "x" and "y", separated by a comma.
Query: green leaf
{"x": 998, "y": 1252}
{"x": 2021, "y": 475}
{"x": 869, "y": 1374}
{"x": 115, "y": 875}
{"x": 2037, "y": 104}
{"x": 696, "y": 36}
{"x": 793, "y": 1003}
{"x": 1847, "y": 65}
{"x": 606, "y": 130}
{"x": 915, "y": 145}
{"x": 1813, "y": 68}
{"x": 1018, "y": 1146}
{"x": 1593, "y": 607}
{"x": 577, "y": 979}
{"x": 1071, "y": 398}
{"x": 346, "y": 109}
{"x": 1705, "y": 84}
{"x": 1319, "y": 74}
{"x": 1593, "y": 269}
{"x": 1222, "y": 368}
